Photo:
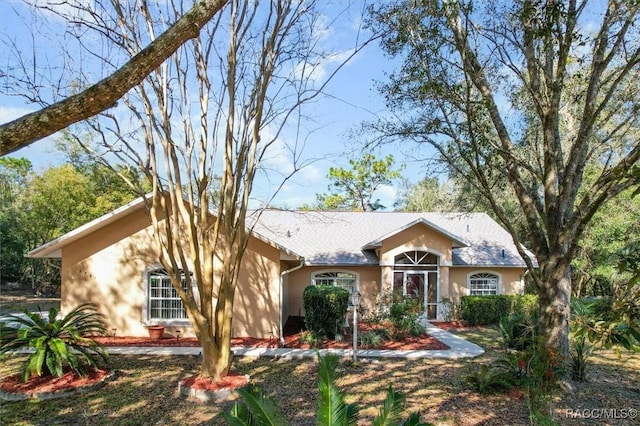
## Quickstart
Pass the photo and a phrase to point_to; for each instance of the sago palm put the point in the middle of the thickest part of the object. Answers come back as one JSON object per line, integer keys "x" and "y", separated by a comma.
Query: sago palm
{"x": 57, "y": 343}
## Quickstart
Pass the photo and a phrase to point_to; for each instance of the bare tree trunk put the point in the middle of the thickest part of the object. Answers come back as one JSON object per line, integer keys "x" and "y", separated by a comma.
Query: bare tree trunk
{"x": 221, "y": 359}
{"x": 257, "y": 91}
{"x": 555, "y": 307}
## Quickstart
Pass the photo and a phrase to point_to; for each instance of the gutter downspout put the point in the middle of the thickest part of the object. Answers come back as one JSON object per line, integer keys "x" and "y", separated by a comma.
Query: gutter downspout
{"x": 522, "y": 283}
{"x": 282, "y": 275}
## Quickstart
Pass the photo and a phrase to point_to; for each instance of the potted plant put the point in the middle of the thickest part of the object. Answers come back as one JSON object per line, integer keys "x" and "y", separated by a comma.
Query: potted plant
{"x": 156, "y": 331}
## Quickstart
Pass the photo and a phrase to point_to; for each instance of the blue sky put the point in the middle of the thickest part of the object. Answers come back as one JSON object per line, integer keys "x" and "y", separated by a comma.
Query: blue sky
{"x": 352, "y": 99}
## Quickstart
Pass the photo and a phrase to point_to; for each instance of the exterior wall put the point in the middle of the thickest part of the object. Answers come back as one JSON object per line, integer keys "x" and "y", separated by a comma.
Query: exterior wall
{"x": 257, "y": 299}
{"x": 417, "y": 237}
{"x": 510, "y": 280}
{"x": 368, "y": 278}
{"x": 108, "y": 268}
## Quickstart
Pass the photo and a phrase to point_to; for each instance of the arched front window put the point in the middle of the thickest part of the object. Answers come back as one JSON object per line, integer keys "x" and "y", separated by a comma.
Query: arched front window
{"x": 421, "y": 259}
{"x": 164, "y": 303}
{"x": 346, "y": 280}
{"x": 484, "y": 284}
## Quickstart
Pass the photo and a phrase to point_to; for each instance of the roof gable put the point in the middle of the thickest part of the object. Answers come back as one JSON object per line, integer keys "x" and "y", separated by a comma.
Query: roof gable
{"x": 457, "y": 241}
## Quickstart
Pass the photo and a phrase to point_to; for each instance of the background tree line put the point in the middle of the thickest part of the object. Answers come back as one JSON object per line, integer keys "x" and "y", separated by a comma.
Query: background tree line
{"x": 39, "y": 206}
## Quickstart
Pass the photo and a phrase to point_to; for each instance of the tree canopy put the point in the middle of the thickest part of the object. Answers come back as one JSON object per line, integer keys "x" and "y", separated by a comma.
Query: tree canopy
{"x": 522, "y": 97}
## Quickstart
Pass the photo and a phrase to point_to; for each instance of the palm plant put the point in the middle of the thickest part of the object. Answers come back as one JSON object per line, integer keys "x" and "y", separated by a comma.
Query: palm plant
{"x": 332, "y": 409}
{"x": 258, "y": 409}
{"x": 57, "y": 343}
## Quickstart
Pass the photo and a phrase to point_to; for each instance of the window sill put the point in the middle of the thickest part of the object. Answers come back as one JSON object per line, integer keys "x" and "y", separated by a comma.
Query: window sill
{"x": 169, "y": 322}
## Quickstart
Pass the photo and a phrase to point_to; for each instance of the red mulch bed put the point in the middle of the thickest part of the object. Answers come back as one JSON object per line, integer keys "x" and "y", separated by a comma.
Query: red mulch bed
{"x": 293, "y": 340}
{"x": 424, "y": 342}
{"x": 231, "y": 381}
{"x": 38, "y": 384}
{"x": 182, "y": 342}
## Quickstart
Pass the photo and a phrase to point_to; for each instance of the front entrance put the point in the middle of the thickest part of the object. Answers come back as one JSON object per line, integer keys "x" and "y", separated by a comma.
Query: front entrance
{"x": 422, "y": 285}
{"x": 415, "y": 274}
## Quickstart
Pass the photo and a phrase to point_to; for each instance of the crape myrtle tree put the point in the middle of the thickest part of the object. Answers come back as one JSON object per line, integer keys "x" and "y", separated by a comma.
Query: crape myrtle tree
{"x": 201, "y": 126}
{"x": 522, "y": 96}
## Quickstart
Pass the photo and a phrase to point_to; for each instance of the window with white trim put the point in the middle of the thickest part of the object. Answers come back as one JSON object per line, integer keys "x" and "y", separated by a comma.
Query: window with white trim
{"x": 345, "y": 280}
{"x": 483, "y": 284}
{"x": 164, "y": 303}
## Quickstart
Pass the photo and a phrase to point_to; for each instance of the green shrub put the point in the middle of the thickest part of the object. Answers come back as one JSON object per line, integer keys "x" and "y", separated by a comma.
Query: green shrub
{"x": 310, "y": 338}
{"x": 496, "y": 377}
{"x": 487, "y": 310}
{"x": 57, "y": 343}
{"x": 371, "y": 339}
{"x": 535, "y": 369}
{"x": 606, "y": 322}
{"x": 518, "y": 330}
{"x": 526, "y": 303}
{"x": 404, "y": 317}
{"x": 325, "y": 308}
{"x": 579, "y": 355}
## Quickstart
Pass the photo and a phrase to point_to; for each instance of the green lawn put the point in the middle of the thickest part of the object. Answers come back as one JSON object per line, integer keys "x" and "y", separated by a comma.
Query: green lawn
{"x": 145, "y": 391}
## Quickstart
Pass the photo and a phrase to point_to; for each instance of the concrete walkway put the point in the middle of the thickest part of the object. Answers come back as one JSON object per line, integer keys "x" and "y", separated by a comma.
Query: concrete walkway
{"x": 459, "y": 348}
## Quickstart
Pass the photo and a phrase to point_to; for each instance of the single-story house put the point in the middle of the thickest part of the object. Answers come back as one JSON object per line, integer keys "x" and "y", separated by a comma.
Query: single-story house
{"x": 435, "y": 257}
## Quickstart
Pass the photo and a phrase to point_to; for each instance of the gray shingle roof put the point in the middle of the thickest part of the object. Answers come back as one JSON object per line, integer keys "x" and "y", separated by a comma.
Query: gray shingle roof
{"x": 347, "y": 238}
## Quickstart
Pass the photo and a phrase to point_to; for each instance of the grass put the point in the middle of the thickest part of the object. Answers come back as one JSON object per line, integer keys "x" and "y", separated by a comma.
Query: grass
{"x": 145, "y": 391}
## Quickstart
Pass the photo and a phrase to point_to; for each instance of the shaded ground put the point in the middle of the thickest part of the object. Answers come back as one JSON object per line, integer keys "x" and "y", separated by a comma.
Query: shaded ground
{"x": 12, "y": 301}
{"x": 145, "y": 391}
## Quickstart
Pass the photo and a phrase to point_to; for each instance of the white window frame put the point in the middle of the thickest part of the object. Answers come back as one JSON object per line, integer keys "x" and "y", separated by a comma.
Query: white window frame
{"x": 484, "y": 275}
{"x": 356, "y": 277}
{"x": 146, "y": 307}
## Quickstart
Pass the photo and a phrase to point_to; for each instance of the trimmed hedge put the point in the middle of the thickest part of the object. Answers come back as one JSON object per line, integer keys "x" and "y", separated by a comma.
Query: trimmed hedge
{"x": 486, "y": 310}
{"x": 325, "y": 308}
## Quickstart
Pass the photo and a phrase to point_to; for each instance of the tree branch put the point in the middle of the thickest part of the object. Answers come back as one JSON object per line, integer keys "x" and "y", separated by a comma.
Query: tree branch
{"x": 104, "y": 94}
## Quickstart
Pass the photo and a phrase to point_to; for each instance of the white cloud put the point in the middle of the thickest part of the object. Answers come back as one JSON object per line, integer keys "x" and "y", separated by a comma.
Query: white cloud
{"x": 386, "y": 194}
{"x": 319, "y": 69}
{"x": 10, "y": 113}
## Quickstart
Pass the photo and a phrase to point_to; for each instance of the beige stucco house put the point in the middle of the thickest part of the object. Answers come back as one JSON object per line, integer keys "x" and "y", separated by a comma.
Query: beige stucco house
{"x": 434, "y": 257}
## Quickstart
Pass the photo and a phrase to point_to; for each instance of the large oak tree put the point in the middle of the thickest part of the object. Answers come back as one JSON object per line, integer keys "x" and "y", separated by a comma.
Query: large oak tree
{"x": 523, "y": 95}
